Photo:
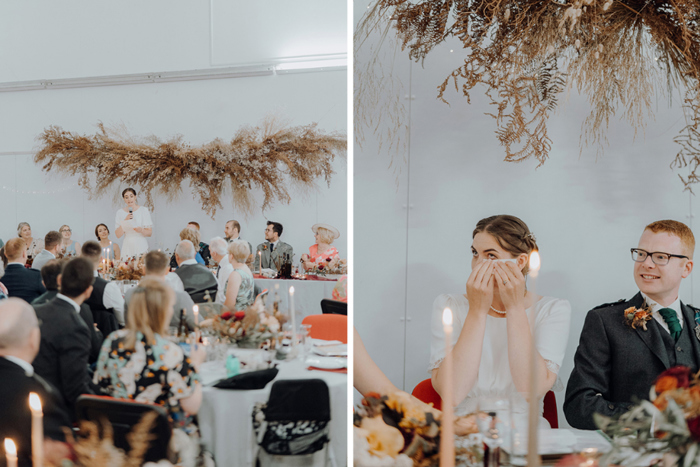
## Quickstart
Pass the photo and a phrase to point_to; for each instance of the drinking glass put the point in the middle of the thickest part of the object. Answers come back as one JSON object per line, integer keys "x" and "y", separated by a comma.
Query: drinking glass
{"x": 306, "y": 342}
{"x": 493, "y": 420}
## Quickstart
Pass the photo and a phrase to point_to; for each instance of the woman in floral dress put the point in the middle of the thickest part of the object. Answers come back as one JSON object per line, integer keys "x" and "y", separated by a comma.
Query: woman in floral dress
{"x": 139, "y": 364}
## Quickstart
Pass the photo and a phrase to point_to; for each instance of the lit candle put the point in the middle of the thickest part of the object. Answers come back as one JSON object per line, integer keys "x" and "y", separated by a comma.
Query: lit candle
{"x": 10, "y": 453}
{"x": 533, "y": 458}
{"x": 260, "y": 261}
{"x": 447, "y": 437}
{"x": 37, "y": 430}
{"x": 291, "y": 315}
{"x": 196, "y": 324}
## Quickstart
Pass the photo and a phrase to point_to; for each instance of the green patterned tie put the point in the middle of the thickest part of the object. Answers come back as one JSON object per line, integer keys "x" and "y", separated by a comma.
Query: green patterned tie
{"x": 671, "y": 318}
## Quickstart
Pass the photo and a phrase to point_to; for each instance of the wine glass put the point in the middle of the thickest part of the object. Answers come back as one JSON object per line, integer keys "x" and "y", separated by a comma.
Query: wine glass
{"x": 493, "y": 420}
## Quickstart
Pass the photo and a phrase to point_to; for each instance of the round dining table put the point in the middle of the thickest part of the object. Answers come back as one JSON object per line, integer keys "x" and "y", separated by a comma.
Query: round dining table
{"x": 225, "y": 415}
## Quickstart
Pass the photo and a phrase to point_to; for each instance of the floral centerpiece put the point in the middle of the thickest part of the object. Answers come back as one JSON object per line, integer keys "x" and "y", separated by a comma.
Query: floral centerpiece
{"x": 665, "y": 429}
{"x": 252, "y": 328}
{"x": 330, "y": 266}
{"x": 398, "y": 430}
{"x": 132, "y": 269}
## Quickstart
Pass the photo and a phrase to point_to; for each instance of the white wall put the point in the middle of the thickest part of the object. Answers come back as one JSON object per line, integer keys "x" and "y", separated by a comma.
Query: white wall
{"x": 75, "y": 39}
{"x": 586, "y": 213}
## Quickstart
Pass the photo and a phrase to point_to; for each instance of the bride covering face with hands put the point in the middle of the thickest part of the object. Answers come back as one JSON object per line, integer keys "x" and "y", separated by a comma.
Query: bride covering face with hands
{"x": 134, "y": 223}
{"x": 494, "y": 323}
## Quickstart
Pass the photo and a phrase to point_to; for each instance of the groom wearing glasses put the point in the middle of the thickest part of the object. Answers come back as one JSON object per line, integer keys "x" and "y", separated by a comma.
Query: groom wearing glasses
{"x": 615, "y": 362}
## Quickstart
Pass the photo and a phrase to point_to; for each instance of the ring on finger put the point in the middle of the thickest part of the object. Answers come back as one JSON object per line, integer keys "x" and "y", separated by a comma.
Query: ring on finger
{"x": 505, "y": 282}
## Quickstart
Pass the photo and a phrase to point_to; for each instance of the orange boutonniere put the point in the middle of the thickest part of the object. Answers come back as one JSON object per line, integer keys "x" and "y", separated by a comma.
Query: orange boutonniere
{"x": 637, "y": 317}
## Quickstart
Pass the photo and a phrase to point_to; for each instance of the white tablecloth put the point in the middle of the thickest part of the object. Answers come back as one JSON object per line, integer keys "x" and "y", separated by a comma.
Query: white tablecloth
{"x": 307, "y": 294}
{"x": 225, "y": 416}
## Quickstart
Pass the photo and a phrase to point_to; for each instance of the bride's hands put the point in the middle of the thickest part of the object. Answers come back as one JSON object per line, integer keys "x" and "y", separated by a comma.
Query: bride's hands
{"x": 511, "y": 284}
{"x": 480, "y": 286}
{"x": 138, "y": 229}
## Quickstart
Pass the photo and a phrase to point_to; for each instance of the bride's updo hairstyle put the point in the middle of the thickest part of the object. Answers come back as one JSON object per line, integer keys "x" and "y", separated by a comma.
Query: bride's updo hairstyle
{"x": 128, "y": 190}
{"x": 511, "y": 234}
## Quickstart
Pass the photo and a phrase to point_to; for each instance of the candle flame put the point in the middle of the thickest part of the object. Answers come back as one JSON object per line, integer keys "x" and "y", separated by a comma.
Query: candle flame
{"x": 34, "y": 402}
{"x": 10, "y": 448}
{"x": 534, "y": 263}
{"x": 447, "y": 317}
{"x": 291, "y": 290}
{"x": 196, "y": 309}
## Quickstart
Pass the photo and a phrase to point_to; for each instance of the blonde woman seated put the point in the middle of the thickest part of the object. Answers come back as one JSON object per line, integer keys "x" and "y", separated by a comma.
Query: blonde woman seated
{"x": 239, "y": 285}
{"x": 34, "y": 245}
{"x": 140, "y": 364}
{"x": 494, "y": 323}
{"x": 69, "y": 247}
{"x": 322, "y": 252}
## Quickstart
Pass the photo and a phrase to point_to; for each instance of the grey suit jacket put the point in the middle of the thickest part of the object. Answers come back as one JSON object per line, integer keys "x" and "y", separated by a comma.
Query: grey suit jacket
{"x": 615, "y": 363}
{"x": 271, "y": 260}
{"x": 41, "y": 259}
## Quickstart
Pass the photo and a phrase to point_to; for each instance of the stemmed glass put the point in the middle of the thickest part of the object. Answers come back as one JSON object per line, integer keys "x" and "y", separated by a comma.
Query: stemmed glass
{"x": 493, "y": 420}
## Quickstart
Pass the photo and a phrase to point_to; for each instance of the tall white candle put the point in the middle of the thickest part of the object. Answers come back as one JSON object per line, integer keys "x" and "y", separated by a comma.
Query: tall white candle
{"x": 196, "y": 324}
{"x": 291, "y": 316}
{"x": 10, "y": 453}
{"x": 37, "y": 430}
{"x": 447, "y": 437}
{"x": 260, "y": 261}
{"x": 533, "y": 458}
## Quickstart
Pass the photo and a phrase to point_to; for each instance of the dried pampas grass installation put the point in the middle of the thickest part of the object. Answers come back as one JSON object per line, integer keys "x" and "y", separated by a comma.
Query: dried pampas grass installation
{"x": 524, "y": 53}
{"x": 271, "y": 156}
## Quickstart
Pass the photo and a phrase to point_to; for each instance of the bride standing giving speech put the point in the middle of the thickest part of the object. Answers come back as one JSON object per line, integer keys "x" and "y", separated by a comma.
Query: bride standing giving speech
{"x": 134, "y": 221}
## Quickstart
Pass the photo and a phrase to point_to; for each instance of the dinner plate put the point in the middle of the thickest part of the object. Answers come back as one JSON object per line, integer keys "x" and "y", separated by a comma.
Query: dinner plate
{"x": 327, "y": 363}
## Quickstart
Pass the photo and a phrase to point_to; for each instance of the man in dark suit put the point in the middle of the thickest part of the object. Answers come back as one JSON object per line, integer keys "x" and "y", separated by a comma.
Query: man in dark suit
{"x": 273, "y": 252}
{"x": 615, "y": 363}
{"x": 65, "y": 338}
{"x": 197, "y": 279}
{"x": 106, "y": 301}
{"x": 20, "y": 282}
{"x": 19, "y": 343}
{"x": 50, "y": 276}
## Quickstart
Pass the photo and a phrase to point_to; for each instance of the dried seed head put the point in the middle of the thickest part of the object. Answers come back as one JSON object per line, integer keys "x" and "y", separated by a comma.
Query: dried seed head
{"x": 597, "y": 55}
{"x": 507, "y": 14}
{"x": 577, "y": 44}
{"x": 600, "y": 47}
{"x": 607, "y": 5}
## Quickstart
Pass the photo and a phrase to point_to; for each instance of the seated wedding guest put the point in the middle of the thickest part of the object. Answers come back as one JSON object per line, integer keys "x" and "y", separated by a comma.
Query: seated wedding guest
{"x": 219, "y": 253}
{"x": 616, "y": 364}
{"x": 157, "y": 268}
{"x": 65, "y": 338}
{"x": 20, "y": 282}
{"x": 239, "y": 284}
{"x": 139, "y": 363}
{"x": 232, "y": 232}
{"x": 340, "y": 291}
{"x": 50, "y": 276}
{"x": 34, "y": 245}
{"x": 197, "y": 279}
{"x": 69, "y": 247}
{"x": 203, "y": 247}
{"x": 102, "y": 234}
{"x": 494, "y": 321}
{"x": 20, "y": 338}
{"x": 273, "y": 250}
{"x": 52, "y": 245}
{"x": 322, "y": 252}
{"x": 193, "y": 236}
{"x": 105, "y": 297}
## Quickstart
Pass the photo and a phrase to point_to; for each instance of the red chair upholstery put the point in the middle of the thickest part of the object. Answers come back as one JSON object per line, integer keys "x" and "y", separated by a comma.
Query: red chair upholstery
{"x": 550, "y": 409}
{"x": 425, "y": 392}
{"x": 329, "y": 327}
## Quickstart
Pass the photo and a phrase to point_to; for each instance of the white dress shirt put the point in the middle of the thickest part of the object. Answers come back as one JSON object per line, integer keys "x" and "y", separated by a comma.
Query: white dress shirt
{"x": 225, "y": 270}
{"x": 27, "y": 367}
{"x": 655, "y": 307}
{"x": 113, "y": 299}
{"x": 69, "y": 300}
{"x": 175, "y": 282}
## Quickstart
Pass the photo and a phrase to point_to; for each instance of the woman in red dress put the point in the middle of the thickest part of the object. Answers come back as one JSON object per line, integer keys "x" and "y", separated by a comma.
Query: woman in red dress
{"x": 322, "y": 252}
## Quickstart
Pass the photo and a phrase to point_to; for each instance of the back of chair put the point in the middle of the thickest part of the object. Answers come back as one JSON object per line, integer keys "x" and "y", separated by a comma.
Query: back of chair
{"x": 425, "y": 392}
{"x": 328, "y": 327}
{"x": 123, "y": 415}
{"x": 550, "y": 410}
{"x": 329, "y": 306}
{"x": 299, "y": 399}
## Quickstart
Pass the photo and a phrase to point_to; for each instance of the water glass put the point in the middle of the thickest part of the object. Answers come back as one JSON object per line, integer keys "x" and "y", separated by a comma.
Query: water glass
{"x": 493, "y": 420}
{"x": 518, "y": 438}
{"x": 307, "y": 344}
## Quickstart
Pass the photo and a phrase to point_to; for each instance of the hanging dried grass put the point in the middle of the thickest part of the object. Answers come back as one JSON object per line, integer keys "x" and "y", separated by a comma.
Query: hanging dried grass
{"x": 525, "y": 52}
{"x": 270, "y": 157}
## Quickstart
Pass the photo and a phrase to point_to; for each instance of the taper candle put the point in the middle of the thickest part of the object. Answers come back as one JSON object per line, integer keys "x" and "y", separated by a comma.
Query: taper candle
{"x": 447, "y": 437}
{"x": 533, "y": 457}
{"x": 37, "y": 430}
{"x": 10, "y": 453}
{"x": 291, "y": 316}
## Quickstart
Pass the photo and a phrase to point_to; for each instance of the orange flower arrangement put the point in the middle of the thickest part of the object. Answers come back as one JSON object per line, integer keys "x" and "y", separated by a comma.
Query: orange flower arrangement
{"x": 637, "y": 317}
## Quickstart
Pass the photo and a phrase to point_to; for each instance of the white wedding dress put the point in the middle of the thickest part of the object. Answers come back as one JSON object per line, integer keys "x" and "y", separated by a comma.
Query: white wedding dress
{"x": 135, "y": 244}
{"x": 551, "y": 317}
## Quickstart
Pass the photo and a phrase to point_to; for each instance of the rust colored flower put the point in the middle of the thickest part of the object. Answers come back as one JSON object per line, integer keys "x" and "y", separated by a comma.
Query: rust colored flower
{"x": 661, "y": 403}
{"x": 239, "y": 315}
{"x": 665, "y": 383}
{"x": 694, "y": 428}
{"x": 680, "y": 373}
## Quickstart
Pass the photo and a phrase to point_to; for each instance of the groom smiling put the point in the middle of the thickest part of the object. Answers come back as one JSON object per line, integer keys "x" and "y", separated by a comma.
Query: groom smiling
{"x": 619, "y": 357}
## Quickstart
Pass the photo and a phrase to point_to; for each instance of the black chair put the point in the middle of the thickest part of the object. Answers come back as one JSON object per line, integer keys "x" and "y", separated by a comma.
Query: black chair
{"x": 334, "y": 307}
{"x": 105, "y": 321}
{"x": 123, "y": 415}
{"x": 295, "y": 422}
